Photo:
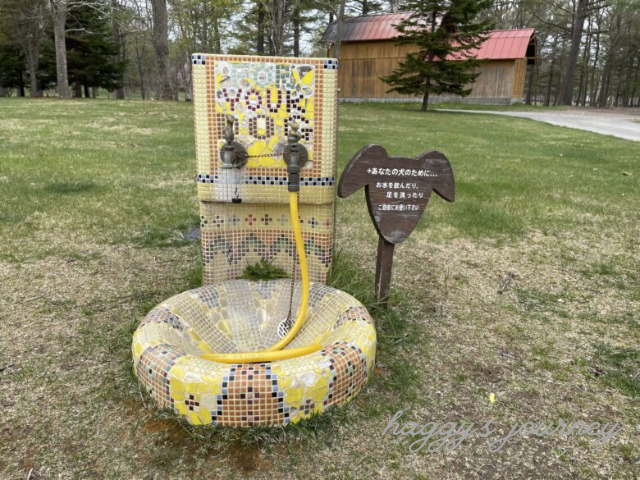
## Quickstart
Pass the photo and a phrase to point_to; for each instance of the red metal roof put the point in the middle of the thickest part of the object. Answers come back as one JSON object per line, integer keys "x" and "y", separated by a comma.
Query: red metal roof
{"x": 366, "y": 28}
{"x": 506, "y": 44}
{"x": 501, "y": 44}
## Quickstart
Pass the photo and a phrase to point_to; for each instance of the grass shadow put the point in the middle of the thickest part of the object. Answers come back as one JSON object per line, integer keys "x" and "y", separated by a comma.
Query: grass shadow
{"x": 71, "y": 188}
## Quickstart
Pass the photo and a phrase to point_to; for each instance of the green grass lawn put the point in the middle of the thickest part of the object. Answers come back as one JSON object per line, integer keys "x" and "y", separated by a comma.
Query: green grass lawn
{"x": 95, "y": 198}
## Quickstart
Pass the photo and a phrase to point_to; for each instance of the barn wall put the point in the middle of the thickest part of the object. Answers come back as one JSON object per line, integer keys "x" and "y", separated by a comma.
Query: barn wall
{"x": 362, "y": 63}
{"x": 495, "y": 80}
{"x": 520, "y": 78}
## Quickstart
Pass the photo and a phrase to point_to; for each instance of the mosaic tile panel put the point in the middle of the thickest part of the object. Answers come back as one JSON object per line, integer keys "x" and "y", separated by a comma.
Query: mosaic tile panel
{"x": 243, "y": 316}
{"x": 236, "y": 236}
{"x": 265, "y": 95}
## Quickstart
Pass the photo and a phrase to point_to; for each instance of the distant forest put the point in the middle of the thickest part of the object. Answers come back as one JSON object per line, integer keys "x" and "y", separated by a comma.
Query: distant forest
{"x": 588, "y": 50}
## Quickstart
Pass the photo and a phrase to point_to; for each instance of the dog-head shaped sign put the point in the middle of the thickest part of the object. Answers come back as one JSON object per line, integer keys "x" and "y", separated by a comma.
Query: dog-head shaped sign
{"x": 397, "y": 188}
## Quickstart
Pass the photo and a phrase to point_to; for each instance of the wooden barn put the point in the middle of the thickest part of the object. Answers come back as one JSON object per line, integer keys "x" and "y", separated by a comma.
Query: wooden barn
{"x": 369, "y": 51}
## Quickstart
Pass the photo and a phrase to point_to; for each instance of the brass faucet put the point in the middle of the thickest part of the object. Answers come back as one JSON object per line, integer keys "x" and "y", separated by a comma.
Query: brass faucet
{"x": 233, "y": 153}
{"x": 295, "y": 156}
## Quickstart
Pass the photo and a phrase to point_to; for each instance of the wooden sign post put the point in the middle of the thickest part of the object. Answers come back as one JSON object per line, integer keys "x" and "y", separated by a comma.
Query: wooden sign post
{"x": 397, "y": 191}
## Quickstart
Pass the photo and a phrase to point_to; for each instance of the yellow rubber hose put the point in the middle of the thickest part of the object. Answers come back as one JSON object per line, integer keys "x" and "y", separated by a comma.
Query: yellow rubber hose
{"x": 275, "y": 352}
{"x": 264, "y": 356}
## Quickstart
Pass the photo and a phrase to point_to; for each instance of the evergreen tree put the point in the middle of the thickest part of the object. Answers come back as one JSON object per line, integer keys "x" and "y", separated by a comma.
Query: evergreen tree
{"x": 91, "y": 49}
{"x": 46, "y": 77}
{"x": 12, "y": 73}
{"x": 446, "y": 33}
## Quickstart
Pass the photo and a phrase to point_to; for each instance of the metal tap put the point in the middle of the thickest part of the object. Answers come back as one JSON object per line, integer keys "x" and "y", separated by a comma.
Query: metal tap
{"x": 233, "y": 153}
{"x": 295, "y": 156}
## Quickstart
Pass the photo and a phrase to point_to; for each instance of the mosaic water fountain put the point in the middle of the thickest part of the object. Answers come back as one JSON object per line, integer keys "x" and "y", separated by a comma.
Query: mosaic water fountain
{"x": 244, "y": 353}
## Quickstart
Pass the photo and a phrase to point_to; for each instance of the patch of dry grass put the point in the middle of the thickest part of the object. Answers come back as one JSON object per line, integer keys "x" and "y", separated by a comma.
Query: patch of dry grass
{"x": 85, "y": 251}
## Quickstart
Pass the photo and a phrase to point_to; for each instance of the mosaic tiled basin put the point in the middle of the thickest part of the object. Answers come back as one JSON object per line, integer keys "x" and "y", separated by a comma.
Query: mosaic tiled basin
{"x": 243, "y": 316}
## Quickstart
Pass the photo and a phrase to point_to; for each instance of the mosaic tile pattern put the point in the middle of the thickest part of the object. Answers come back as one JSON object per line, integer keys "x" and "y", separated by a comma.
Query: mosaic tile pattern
{"x": 266, "y": 95}
{"x": 245, "y": 218}
{"x": 243, "y": 316}
{"x": 242, "y": 235}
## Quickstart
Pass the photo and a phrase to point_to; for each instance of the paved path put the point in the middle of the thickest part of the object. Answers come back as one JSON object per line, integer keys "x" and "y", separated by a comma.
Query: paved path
{"x": 622, "y": 125}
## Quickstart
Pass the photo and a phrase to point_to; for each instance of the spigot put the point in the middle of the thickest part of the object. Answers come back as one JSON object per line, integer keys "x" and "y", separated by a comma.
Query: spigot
{"x": 295, "y": 156}
{"x": 233, "y": 154}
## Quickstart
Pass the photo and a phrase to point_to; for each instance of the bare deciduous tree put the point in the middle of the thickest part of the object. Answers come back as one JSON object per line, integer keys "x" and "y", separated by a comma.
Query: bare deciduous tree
{"x": 160, "y": 36}
{"x": 280, "y": 13}
{"x": 58, "y": 10}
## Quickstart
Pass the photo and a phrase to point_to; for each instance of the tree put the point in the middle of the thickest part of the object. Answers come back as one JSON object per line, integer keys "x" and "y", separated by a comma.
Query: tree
{"x": 13, "y": 63}
{"x": 23, "y": 21}
{"x": 136, "y": 17}
{"x": 58, "y": 10}
{"x": 91, "y": 48}
{"x": 200, "y": 26}
{"x": 118, "y": 18}
{"x": 446, "y": 33}
{"x": 580, "y": 13}
{"x": 338, "y": 38}
{"x": 280, "y": 14}
{"x": 160, "y": 36}
{"x": 250, "y": 30}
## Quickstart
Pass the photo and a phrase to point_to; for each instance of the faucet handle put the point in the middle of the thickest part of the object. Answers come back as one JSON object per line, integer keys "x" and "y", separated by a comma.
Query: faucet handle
{"x": 295, "y": 152}
{"x": 294, "y": 135}
{"x": 228, "y": 130}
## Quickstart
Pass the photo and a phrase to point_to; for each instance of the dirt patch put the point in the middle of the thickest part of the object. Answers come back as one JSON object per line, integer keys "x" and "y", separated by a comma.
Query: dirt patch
{"x": 247, "y": 458}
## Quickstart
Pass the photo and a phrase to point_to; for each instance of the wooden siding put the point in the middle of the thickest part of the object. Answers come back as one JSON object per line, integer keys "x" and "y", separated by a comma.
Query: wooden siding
{"x": 363, "y": 63}
{"x": 519, "y": 78}
{"x": 495, "y": 80}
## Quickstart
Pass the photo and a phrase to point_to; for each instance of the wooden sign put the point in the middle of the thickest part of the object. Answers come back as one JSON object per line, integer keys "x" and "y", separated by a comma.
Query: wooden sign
{"x": 397, "y": 191}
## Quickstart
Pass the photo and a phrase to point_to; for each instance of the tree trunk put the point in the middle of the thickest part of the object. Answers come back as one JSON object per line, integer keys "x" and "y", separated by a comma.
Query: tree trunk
{"x": 530, "y": 78}
{"x": 188, "y": 79}
{"x": 635, "y": 85}
{"x": 33, "y": 54}
{"x": 594, "y": 84}
{"x": 558, "y": 91}
{"x": 120, "y": 39}
{"x": 78, "y": 89}
{"x": 94, "y": 92}
{"x": 338, "y": 38}
{"x": 58, "y": 11}
{"x": 584, "y": 72}
{"x": 278, "y": 23}
{"x": 547, "y": 100}
{"x": 585, "y": 68}
{"x": 32, "y": 65}
{"x": 425, "y": 97}
{"x": 139, "y": 54}
{"x": 217, "y": 40}
{"x": 576, "y": 35}
{"x": 296, "y": 33}
{"x": 86, "y": 92}
{"x": 260, "y": 33}
{"x": 28, "y": 32}
{"x": 603, "y": 98}
{"x": 160, "y": 41}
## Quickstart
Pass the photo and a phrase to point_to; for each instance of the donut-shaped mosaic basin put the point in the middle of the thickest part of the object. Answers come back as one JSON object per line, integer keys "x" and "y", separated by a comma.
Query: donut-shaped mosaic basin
{"x": 243, "y": 316}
